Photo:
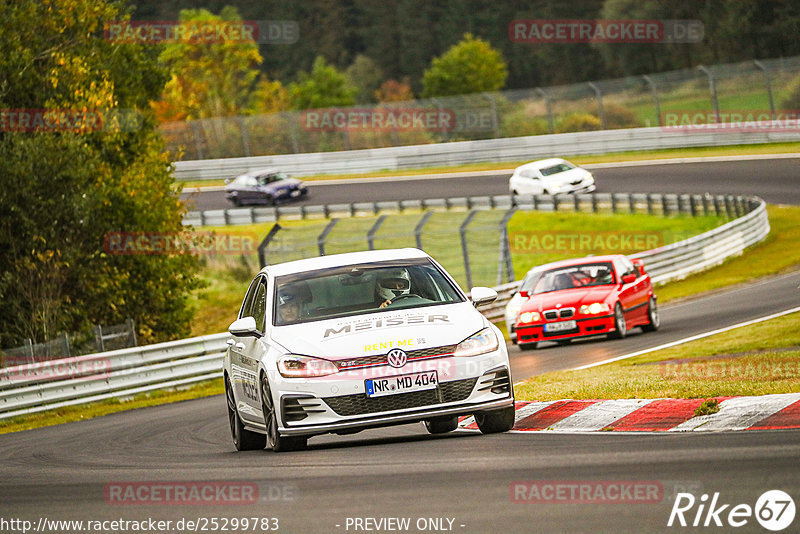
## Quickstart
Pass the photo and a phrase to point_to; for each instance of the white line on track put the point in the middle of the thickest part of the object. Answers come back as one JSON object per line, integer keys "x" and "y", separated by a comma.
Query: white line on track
{"x": 690, "y": 338}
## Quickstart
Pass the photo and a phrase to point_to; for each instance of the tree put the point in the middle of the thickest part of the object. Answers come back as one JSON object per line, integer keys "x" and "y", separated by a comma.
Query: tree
{"x": 324, "y": 87}
{"x": 366, "y": 75}
{"x": 63, "y": 190}
{"x": 471, "y": 66}
{"x": 394, "y": 91}
{"x": 215, "y": 79}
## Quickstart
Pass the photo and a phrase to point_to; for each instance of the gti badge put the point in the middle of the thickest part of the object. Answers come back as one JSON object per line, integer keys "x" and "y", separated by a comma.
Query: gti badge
{"x": 396, "y": 358}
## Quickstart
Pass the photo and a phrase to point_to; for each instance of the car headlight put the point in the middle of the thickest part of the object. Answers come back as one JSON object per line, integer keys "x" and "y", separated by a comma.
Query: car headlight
{"x": 296, "y": 366}
{"x": 594, "y": 308}
{"x": 480, "y": 343}
{"x": 529, "y": 317}
{"x": 512, "y": 311}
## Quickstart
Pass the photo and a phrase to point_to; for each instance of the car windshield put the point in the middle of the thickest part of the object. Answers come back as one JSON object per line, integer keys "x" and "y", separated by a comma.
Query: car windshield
{"x": 359, "y": 289}
{"x": 555, "y": 169}
{"x": 586, "y": 275}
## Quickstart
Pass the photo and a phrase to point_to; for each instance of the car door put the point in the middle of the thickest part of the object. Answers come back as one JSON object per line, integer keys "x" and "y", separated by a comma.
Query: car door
{"x": 246, "y": 352}
{"x": 627, "y": 291}
{"x": 633, "y": 295}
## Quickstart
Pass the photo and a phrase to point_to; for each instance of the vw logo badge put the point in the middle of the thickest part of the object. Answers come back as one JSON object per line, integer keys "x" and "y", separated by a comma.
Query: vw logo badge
{"x": 397, "y": 358}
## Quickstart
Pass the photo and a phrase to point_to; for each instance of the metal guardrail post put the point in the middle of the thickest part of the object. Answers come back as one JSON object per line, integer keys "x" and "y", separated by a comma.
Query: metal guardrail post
{"x": 712, "y": 87}
{"x": 505, "y": 249}
{"x": 324, "y": 235}
{"x": 594, "y": 203}
{"x": 462, "y": 230}
{"x": 549, "y": 106}
{"x": 262, "y": 247}
{"x": 373, "y": 231}
{"x": 654, "y": 90}
{"x": 631, "y": 203}
{"x": 418, "y": 228}
{"x": 599, "y": 96}
{"x": 760, "y": 66}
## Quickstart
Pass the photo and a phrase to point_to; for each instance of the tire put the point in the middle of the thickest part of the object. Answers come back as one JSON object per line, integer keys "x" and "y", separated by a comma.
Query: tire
{"x": 495, "y": 421}
{"x": 243, "y": 440}
{"x": 441, "y": 425}
{"x": 269, "y": 200}
{"x": 653, "y": 319}
{"x": 274, "y": 440}
{"x": 620, "y": 330}
{"x": 236, "y": 201}
{"x": 528, "y": 346}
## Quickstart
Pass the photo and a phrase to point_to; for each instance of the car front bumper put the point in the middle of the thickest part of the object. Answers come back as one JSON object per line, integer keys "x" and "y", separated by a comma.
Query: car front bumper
{"x": 592, "y": 326}
{"x": 339, "y": 403}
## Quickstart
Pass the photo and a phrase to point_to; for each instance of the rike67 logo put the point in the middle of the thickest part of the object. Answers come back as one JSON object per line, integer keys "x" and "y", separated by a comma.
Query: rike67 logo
{"x": 774, "y": 510}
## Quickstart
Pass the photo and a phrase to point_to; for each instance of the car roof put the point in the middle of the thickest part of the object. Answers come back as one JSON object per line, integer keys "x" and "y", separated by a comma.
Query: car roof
{"x": 337, "y": 260}
{"x": 259, "y": 172}
{"x": 542, "y": 163}
{"x": 577, "y": 261}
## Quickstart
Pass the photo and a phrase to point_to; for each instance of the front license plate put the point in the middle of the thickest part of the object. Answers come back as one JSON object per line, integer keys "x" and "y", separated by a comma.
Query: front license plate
{"x": 378, "y": 387}
{"x": 559, "y": 327}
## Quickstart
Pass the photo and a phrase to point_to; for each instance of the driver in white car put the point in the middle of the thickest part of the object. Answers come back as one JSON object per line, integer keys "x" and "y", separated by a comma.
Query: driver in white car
{"x": 391, "y": 285}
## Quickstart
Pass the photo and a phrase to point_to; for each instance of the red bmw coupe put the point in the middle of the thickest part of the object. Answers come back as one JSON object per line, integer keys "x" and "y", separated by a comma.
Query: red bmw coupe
{"x": 587, "y": 297}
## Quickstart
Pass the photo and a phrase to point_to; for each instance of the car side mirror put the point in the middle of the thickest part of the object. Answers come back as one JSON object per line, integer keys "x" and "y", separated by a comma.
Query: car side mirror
{"x": 628, "y": 278}
{"x": 244, "y": 327}
{"x": 523, "y": 293}
{"x": 639, "y": 264}
{"x": 483, "y": 295}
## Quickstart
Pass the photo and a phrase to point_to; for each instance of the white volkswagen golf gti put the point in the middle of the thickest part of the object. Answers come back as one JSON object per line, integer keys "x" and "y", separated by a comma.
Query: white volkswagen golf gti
{"x": 346, "y": 342}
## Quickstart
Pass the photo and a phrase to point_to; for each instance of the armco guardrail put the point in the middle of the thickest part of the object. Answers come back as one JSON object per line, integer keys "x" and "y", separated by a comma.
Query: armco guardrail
{"x": 592, "y": 202}
{"x": 42, "y": 386}
{"x": 488, "y": 150}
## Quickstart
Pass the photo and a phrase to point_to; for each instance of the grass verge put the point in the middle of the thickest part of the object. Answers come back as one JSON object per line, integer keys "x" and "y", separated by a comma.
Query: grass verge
{"x": 96, "y": 409}
{"x": 744, "y": 361}
{"x": 779, "y": 252}
{"x": 733, "y": 150}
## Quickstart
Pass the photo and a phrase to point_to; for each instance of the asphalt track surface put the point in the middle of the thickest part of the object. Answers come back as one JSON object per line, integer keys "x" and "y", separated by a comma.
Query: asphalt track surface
{"x": 776, "y": 181}
{"x": 62, "y": 472}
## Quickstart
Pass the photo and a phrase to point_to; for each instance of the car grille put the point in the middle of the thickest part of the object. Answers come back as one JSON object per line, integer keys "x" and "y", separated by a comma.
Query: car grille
{"x": 360, "y": 404}
{"x": 381, "y": 359}
{"x": 564, "y": 313}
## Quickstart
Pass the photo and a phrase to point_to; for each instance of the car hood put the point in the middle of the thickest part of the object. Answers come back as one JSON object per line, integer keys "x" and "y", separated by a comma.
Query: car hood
{"x": 566, "y": 177}
{"x": 567, "y": 298}
{"x": 378, "y": 333}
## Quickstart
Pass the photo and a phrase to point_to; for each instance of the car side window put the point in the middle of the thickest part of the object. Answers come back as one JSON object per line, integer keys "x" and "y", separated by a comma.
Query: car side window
{"x": 260, "y": 304}
{"x": 247, "y": 304}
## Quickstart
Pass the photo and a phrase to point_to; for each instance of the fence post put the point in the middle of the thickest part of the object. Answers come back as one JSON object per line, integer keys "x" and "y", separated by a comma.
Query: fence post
{"x": 262, "y": 247}
{"x": 760, "y": 66}
{"x": 654, "y": 90}
{"x": 98, "y": 338}
{"x": 495, "y": 118}
{"x": 324, "y": 235}
{"x": 245, "y": 136}
{"x": 132, "y": 328}
{"x": 712, "y": 87}
{"x": 418, "y": 228}
{"x": 548, "y": 104}
{"x": 599, "y": 96}
{"x": 373, "y": 231}
{"x": 462, "y": 230}
{"x": 505, "y": 250}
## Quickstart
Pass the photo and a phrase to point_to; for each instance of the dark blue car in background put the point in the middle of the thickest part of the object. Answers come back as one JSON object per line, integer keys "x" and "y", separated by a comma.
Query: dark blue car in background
{"x": 267, "y": 186}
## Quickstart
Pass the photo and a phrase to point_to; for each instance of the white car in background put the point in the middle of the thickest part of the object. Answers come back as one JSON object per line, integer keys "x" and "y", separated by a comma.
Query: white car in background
{"x": 552, "y": 176}
{"x": 351, "y": 341}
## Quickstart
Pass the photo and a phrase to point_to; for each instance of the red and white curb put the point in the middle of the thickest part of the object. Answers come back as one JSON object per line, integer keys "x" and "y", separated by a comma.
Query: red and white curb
{"x": 767, "y": 412}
